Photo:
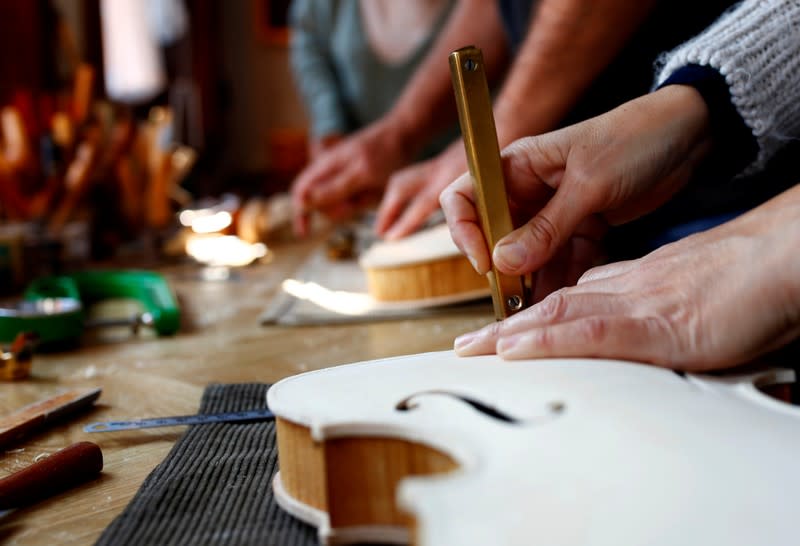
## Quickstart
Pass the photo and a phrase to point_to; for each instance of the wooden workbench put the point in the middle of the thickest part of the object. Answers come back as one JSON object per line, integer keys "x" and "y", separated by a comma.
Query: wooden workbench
{"x": 221, "y": 341}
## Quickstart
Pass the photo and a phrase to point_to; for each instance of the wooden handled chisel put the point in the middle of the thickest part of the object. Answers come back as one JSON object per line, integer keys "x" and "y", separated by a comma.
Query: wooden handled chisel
{"x": 58, "y": 472}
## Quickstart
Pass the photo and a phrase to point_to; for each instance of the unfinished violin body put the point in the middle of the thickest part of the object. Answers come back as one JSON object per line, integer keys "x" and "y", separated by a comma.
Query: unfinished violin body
{"x": 424, "y": 266}
{"x": 441, "y": 450}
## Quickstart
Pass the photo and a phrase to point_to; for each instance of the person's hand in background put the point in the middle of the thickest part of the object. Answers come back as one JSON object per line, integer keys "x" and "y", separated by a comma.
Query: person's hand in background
{"x": 585, "y": 35}
{"x": 712, "y": 300}
{"x": 339, "y": 180}
{"x": 412, "y": 194}
{"x": 359, "y": 167}
{"x": 317, "y": 146}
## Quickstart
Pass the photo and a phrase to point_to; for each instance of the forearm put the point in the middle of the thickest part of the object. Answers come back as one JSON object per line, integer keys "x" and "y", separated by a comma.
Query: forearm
{"x": 426, "y": 105}
{"x": 735, "y": 147}
{"x": 569, "y": 43}
{"x": 776, "y": 224}
{"x": 790, "y": 203}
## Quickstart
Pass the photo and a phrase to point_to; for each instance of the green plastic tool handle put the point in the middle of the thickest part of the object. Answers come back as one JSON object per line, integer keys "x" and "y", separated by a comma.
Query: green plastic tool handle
{"x": 147, "y": 287}
{"x": 57, "y": 323}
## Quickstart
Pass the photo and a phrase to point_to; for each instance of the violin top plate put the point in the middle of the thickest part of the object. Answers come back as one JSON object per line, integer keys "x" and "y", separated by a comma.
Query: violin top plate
{"x": 570, "y": 451}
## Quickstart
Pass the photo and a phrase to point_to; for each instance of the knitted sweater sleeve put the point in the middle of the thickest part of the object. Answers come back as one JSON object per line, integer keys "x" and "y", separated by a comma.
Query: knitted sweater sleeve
{"x": 755, "y": 46}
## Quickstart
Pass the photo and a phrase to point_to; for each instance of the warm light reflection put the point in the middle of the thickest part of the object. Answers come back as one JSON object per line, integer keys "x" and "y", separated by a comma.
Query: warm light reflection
{"x": 205, "y": 220}
{"x": 338, "y": 301}
{"x": 223, "y": 250}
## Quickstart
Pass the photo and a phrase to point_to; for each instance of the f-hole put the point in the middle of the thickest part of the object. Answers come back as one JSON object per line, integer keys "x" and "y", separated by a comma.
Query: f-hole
{"x": 409, "y": 403}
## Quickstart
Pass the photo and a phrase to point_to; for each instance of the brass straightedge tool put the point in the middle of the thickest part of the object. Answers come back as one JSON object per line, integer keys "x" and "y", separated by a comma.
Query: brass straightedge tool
{"x": 509, "y": 293}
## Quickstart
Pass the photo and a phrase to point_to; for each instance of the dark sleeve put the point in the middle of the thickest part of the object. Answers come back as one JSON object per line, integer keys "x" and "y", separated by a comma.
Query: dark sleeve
{"x": 735, "y": 146}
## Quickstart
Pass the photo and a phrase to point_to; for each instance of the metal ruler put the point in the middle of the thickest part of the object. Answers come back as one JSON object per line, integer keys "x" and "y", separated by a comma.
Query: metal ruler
{"x": 180, "y": 420}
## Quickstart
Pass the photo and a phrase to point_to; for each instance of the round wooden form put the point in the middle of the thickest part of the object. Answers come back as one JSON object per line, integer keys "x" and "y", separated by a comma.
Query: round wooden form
{"x": 426, "y": 265}
{"x": 635, "y": 455}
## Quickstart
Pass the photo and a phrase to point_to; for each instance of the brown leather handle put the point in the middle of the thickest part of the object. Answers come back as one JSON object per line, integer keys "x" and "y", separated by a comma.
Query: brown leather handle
{"x": 63, "y": 469}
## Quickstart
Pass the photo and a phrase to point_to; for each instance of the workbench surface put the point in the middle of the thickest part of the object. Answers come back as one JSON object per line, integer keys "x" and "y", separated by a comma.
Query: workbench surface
{"x": 221, "y": 341}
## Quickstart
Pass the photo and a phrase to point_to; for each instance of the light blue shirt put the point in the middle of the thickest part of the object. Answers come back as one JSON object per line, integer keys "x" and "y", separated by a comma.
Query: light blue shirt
{"x": 344, "y": 85}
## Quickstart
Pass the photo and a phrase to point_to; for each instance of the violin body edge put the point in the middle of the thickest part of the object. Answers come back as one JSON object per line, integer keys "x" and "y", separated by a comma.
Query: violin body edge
{"x": 435, "y": 471}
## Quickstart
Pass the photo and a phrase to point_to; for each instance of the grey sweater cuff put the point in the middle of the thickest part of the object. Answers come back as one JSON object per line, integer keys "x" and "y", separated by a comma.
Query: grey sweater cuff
{"x": 756, "y": 48}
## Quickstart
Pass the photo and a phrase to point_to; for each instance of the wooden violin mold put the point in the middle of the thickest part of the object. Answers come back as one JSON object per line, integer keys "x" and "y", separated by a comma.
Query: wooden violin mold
{"x": 441, "y": 450}
{"x": 424, "y": 266}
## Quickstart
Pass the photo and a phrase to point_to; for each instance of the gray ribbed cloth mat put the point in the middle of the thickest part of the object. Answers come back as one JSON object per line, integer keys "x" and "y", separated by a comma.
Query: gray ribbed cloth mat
{"x": 214, "y": 487}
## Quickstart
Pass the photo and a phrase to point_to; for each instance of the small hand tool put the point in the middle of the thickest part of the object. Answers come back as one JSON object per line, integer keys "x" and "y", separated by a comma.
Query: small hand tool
{"x": 77, "y": 180}
{"x": 83, "y": 87}
{"x": 55, "y": 307}
{"x": 16, "y": 147}
{"x": 179, "y": 420}
{"x": 63, "y": 469}
{"x": 35, "y": 416}
{"x": 509, "y": 293}
{"x": 16, "y": 363}
{"x": 51, "y": 319}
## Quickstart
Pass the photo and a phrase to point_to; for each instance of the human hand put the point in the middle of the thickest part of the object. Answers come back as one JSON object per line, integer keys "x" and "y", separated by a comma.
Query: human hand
{"x": 712, "y": 300}
{"x": 612, "y": 168}
{"x": 337, "y": 181}
{"x": 317, "y": 146}
{"x": 413, "y": 192}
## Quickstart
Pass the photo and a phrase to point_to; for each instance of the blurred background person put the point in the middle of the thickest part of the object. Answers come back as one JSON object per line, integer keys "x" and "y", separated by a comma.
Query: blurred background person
{"x": 572, "y": 59}
{"x": 351, "y": 60}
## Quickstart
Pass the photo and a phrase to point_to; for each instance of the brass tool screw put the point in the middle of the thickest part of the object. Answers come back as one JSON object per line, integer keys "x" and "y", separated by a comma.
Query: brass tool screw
{"x": 514, "y": 303}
